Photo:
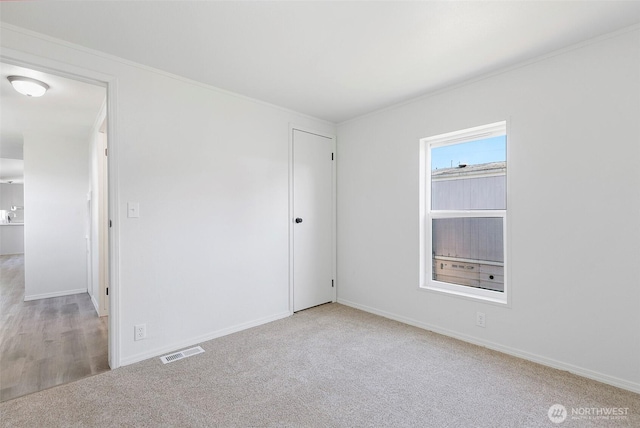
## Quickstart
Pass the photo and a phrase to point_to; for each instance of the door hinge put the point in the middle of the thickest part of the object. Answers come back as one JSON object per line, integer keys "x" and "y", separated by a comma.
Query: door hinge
{"x": 107, "y": 291}
{"x": 332, "y": 283}
{"x": 331, "y": 156}
{"x": 105, "y": 152}
{"x": 109, "y": 223}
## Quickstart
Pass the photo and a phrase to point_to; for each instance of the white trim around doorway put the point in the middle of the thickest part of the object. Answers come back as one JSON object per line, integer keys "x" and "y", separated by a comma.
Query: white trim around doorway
{"x": 110, "y": 83}
{"x": 293, "y": 127}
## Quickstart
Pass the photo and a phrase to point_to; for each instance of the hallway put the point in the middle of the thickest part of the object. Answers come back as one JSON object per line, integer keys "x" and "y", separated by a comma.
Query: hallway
{"x": 48, "y": 342}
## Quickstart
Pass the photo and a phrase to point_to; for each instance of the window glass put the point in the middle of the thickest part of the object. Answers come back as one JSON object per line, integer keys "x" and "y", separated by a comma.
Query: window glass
{"x": 469, "y": 251}
{"x": 470, "y": 175}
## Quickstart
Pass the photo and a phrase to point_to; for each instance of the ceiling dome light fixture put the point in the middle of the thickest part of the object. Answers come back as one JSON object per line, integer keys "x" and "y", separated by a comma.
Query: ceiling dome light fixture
{"x": 28, "y": 86}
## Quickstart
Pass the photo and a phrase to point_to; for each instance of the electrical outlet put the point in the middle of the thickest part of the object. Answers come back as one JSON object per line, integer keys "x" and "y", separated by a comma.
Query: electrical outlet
{"x": 140, "y": 332}
{"x": 480, "y": 319}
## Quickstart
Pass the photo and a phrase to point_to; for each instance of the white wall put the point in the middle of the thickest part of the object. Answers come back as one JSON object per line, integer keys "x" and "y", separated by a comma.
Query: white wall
{"x": 56, "y": 175}
{"x": 12, "y": 236}
{"x": 209, "y": 253}
{"x": 573, "y": 210}
{"x": 11, "y": 239}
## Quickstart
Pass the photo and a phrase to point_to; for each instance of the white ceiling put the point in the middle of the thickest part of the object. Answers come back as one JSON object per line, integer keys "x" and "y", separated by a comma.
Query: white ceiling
{"x": 331, "y": 60}
{"x": 68, "y": 109}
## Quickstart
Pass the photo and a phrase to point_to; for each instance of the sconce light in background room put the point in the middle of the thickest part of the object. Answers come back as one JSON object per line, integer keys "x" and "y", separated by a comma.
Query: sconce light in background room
{"x": 28, "y": 86}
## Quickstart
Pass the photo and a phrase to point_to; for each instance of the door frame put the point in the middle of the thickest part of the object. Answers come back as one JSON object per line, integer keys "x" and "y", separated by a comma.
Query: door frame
{"x": 103, "y": 212}
{"x": 110, "y": 83}
{"x": 332, "y": 137}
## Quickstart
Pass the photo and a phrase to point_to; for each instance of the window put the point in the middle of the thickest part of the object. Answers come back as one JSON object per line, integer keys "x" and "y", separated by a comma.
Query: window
{"x": 464, "y": 208}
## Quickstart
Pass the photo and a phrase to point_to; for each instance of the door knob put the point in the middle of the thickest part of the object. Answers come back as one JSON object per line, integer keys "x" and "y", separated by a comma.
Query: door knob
{"x": 298, "y": 220}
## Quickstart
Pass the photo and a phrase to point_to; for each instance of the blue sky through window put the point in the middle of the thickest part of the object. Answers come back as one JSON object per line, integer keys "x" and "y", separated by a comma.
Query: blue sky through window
{"x": 471, "y": 153}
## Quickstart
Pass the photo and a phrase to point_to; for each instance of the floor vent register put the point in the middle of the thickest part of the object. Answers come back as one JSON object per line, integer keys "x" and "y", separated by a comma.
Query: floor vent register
{"x": 181, "y": 355}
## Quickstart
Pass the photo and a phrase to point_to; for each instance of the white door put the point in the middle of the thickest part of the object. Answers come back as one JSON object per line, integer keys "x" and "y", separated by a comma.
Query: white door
{"x": 312, "y": 220}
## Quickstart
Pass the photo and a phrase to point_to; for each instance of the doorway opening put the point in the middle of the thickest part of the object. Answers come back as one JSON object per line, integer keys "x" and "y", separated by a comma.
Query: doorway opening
{"x": 54, "y": 314}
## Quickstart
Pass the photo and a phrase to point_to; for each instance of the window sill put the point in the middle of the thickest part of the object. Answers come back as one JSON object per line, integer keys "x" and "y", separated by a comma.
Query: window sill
{"x": 475, "y": 294}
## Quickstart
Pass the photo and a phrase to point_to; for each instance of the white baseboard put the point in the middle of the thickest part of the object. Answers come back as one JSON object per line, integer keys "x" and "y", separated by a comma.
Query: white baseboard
{"x": 96, "y": 306}
{"x": 199, "y": 339}
{"x": 55, "y": 294}
{"x": 550, "y": 362}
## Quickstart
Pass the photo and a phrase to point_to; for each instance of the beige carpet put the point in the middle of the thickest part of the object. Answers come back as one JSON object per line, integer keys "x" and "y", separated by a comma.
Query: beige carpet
{"x": 331, "y": 366}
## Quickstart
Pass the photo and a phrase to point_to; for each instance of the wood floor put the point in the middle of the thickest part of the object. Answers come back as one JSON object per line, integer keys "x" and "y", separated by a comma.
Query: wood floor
{"x": 47, "y": 342}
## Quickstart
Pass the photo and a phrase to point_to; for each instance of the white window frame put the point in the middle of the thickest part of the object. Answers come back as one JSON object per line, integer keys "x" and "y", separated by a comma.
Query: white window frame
{"x": 427, "y": 215}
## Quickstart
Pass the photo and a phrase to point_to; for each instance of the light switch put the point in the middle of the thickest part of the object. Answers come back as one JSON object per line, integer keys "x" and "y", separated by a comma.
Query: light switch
{"x": 133, "y": 209}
